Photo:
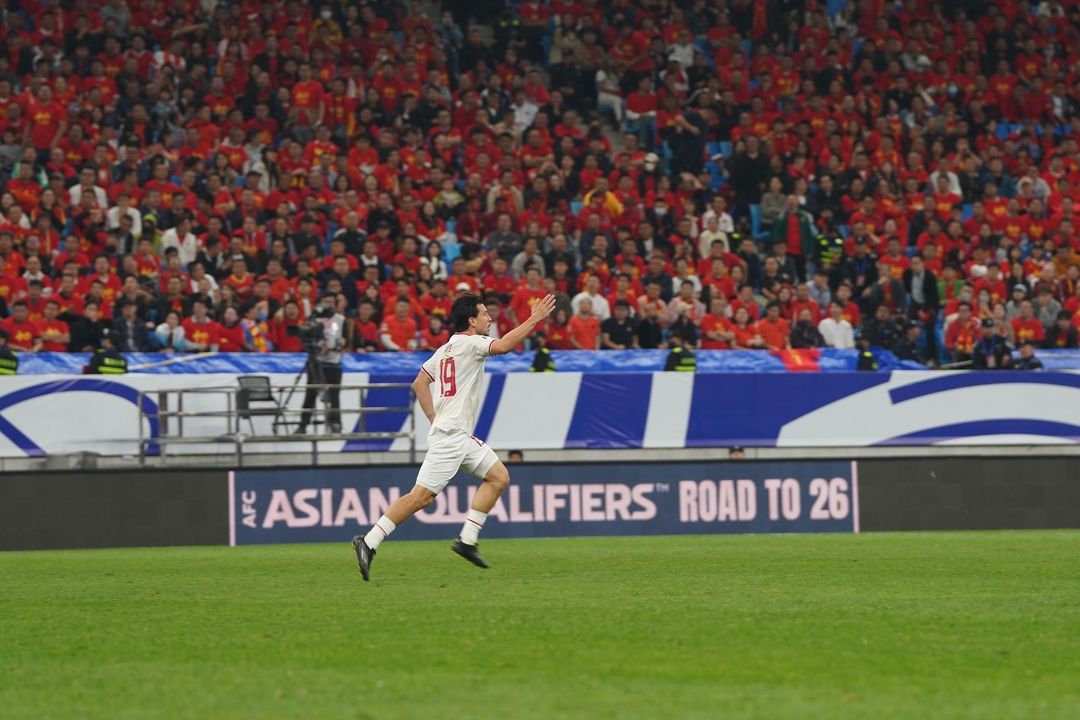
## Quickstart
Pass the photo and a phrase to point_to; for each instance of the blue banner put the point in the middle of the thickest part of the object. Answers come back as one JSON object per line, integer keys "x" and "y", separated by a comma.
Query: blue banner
{"x": 561, "y": 500}
{"x": 826, "y": 360}
{"x": 49, "y": 414}
{"x": 603, "y": 361}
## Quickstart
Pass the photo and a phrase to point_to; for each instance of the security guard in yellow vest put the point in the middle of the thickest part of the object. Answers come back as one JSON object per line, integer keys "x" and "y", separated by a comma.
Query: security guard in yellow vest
{"x": 680, "y": 359}
{"x": 866, "y": 361}
{"x": 542, "y": 362}
{"x": 9, "y": 361}
{"x": 107, "y": 360}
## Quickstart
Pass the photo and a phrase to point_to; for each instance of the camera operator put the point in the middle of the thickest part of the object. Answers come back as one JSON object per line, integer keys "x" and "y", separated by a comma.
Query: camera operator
{"x": 323, "y": 339}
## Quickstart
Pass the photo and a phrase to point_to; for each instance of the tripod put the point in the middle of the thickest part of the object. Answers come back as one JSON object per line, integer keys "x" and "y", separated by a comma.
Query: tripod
{"x": 315, "y": 376}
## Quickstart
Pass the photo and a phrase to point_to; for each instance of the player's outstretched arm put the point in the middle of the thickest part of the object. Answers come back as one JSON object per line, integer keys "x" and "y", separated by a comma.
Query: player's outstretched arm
{"x": 422, "y": 389}
{"x": 540, "y": 311}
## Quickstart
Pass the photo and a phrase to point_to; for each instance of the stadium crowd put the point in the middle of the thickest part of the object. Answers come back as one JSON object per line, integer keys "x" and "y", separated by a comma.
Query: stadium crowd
{"x": 196, "y": 176}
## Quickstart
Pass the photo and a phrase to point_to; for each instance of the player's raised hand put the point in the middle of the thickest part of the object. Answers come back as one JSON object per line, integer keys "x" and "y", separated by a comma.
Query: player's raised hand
{"x": 542, "y": 308}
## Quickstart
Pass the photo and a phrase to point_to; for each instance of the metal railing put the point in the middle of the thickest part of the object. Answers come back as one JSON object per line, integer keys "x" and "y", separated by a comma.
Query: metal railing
{"x": 200, "y": 408}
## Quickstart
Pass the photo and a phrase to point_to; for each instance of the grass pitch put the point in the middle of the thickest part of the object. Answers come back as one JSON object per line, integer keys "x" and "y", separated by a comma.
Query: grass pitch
{"x": 952, "y": 625}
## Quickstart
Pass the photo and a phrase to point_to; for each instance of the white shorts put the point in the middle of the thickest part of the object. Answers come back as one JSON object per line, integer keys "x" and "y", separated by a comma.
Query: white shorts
{"x": 449, "y": 451}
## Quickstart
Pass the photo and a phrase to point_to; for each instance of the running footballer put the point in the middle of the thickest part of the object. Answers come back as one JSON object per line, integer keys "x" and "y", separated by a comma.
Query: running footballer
{"x": 448, "y": 391}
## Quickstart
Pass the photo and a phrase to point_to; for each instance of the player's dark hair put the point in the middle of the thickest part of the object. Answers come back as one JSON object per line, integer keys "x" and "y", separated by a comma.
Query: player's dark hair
{"x": 465, "y": 307}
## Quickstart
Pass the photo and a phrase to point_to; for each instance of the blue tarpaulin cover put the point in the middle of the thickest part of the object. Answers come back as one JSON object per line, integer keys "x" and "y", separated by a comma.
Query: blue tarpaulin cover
{"x": 614, "y": 361}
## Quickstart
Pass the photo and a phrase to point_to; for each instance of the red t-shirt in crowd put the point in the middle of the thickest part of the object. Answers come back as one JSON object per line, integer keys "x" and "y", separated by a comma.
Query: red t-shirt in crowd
{"x": 21, "y": 334}
{"x": 366, "y": 332}
{"x": 401, "y": 332}
{"x": 433, "y": 341}
{"x": 961, "y": 337}
{"x": 231, "y": 339}
{"x": 793, "y": 234}
{"x": 557, "y": 337}
{"x": 58, "y": 326}
{"x": 436, "y": 306}
{"x": 775, "y": 334}
{"x": 743, "y": 335}
{"x": 45, "y": 120}
{"x": 283, "y": 341}
{"x": 586, "y": 331}
{"x": 522, "y": 301}
{"x": 206, "y": 333}
{"x": 714, "y": 323}
{"x": 1028, "y": 330}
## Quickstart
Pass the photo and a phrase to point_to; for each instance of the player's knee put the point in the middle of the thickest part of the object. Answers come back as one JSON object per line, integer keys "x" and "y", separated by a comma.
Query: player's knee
{"x": 498, "y": 476}
{"x": 421, "y": 497}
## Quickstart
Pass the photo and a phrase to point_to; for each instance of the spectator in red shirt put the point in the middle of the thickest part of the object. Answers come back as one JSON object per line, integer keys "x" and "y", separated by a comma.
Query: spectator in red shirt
{"x": 525, "y": 295}
{"x": 55, "y": 335}
{"x": 365, "y": 329}
{"x": 231, "y": 335}
{"x": 398, "y": 331}
{"x": 434, "y": 335}
{"x": 1063, "y": 334}
{"x": 962, "y": 334}
{"x": 584, "y": 327}
{"x": 745, "y": 331}
{"x": 436, "y": 302}
{"x": 24, "y": 334}
{"x": 773, "y": 329}
{"x": 201, "y": 332}
{"x": 500, "y": 282}
{"x": 717, "y": 332}
{"x": 240, "y": 280}
{"x": 640, "y": 110}
{"x": 47, "y": 123}
{"x": 283, "y": 336}
{"x": 802, "y": 301}
{"x": 1026, "y": 326}
{"x": 557, "y": 332}
{"x": 745, "y": 299}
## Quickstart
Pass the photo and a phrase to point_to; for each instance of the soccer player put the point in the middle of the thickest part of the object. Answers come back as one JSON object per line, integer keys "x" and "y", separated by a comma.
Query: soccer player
{"x": 456, "y": 370}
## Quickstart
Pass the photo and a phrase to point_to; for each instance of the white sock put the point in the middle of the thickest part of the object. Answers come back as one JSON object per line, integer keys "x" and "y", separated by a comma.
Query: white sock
{"x": 379, "y": 532}
{"x": 470, "y": 531}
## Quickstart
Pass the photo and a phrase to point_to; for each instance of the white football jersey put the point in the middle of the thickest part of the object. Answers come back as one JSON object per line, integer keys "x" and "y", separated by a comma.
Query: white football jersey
{"x": 457, "y": 369}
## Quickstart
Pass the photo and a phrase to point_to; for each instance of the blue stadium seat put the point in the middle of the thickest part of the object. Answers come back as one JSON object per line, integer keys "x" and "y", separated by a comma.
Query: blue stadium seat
{"x": 545, "y": 46}
{"x": 966, "y": 211}
{"x": 451, "y": 250}
{"x": 716, "y": 180}
{"x": 835, "y": 7}
{"x": 755, "y": 221}
{"x": 703, "y": 45}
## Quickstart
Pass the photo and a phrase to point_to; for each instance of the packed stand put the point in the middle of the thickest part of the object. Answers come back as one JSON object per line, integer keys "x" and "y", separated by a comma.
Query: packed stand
{"x": 195, "y": 177}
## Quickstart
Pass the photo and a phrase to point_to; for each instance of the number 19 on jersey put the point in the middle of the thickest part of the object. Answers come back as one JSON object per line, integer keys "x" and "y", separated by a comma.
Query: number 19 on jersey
{"x": 446, "y": 377}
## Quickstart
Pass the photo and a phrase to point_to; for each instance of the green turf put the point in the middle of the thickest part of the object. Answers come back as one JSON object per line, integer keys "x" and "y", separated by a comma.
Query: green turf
{"x": 950, "y": 625}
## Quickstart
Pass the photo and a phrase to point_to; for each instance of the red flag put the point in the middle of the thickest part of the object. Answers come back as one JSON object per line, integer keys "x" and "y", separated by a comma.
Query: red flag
{"x": 801, "y": 360}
